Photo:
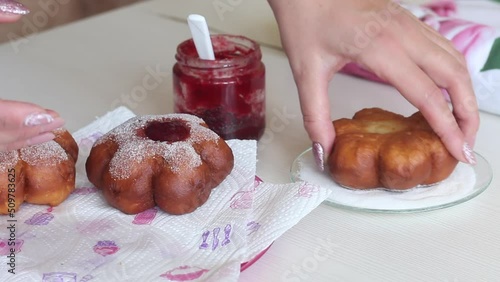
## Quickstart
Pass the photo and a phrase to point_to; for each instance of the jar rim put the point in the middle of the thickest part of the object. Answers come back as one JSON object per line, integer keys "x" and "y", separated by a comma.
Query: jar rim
{"x": 230, "y": 51}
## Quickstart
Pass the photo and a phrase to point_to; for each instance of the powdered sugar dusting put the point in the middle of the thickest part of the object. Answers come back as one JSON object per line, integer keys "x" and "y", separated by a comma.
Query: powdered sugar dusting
{"x": 48, "y": 153}
{"x": 133, "y": 149}
{"x": 8, "y": 160}
{"x": 59, "y": 130}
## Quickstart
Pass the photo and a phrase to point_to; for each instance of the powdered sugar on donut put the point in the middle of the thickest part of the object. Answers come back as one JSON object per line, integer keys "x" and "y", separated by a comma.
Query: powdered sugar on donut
{"x": 8, "y": 160}
{"x": 46, "y": 154}
{"x": 133, "y": 149}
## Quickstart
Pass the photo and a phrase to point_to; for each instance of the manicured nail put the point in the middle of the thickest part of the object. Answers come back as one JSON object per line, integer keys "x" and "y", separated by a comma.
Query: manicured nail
{"x": 319, "y": 155}
{"x": 469, "y": 154}
{"x": 38, "y": 119}
{"x": 13, "y": 7}
{"x": 51, "y": 112}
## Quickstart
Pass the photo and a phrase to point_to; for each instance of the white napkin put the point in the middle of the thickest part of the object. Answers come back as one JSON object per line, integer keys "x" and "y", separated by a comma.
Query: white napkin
{"x": 84, "y": 239}
{"x": 459, "y": 185}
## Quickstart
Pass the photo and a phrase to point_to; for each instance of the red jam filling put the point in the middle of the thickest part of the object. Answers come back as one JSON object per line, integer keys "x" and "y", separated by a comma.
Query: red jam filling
{"x": 167, "y": 131}
{"x": 237, "y": 52}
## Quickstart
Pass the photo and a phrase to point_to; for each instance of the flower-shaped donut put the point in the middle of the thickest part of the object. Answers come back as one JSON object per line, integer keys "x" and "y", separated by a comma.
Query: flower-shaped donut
{"x": 172, "y": 161}
{"x": 381, "y": 149}
{"x": 42, "y": 174}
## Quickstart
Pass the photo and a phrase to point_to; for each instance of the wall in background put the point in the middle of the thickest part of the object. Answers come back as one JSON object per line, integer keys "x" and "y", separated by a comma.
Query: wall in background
{"x": 46, "y": 14}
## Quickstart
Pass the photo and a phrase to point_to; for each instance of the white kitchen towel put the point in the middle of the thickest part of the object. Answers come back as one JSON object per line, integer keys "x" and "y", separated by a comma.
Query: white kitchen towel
{"x": 84, "y": 239}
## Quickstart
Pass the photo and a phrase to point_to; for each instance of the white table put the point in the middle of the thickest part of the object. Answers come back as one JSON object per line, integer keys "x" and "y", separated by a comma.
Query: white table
{"x": 82, "y": 70}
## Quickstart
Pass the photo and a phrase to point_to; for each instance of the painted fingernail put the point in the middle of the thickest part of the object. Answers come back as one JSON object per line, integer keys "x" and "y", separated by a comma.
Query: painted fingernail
{"x": 51, "y": 112}
{"x": 319, "y": 155}
{"x": 38, "y": 119}
{"x": 13, "y": 7}
{"x": 469, "y": 154}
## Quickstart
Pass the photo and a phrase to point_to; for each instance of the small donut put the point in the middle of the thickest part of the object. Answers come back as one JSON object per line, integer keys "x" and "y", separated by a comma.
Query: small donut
{"x": 42, "y": 174}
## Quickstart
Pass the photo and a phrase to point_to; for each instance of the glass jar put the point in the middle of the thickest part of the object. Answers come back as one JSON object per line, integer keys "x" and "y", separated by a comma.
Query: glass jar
{"x": 228, "y": 93}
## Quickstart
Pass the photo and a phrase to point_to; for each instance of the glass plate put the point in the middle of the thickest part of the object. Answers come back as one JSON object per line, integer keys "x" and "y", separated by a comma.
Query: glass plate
{"x": 465, "y": 183}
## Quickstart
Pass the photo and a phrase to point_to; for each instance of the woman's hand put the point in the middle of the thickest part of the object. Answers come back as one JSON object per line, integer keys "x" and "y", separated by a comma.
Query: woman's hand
{"x": 321, "y": 36}
{"x": 24, "y": 124}
{"x": 11, "y": 11}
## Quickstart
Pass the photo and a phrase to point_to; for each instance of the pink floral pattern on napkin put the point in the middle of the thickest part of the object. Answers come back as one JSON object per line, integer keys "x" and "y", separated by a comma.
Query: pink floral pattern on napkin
{"x": 184, "y": 273}
{"x": 145, "y": 217}
{"x": 40, "y": 218}
{"x": 6, "y": 245}
{"x": 106, "y": 248}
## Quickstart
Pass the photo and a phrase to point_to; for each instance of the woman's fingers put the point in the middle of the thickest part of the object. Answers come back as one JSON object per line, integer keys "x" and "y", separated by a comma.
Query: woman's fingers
{"x": 38, "y": 125}
{"x": 448, "y": 69}
{"x": 312, "y": 83}
{"x": 11, "y": 11}
{"x": 38, "y": 139}
{"x": 448, "y": 74}
{"x": 15, "y": 114}
{"x": 25, "y": 123}
{"x": 421, "y": 91}
{"x": 9, "y": 18}
{"x": 433, "y": 36}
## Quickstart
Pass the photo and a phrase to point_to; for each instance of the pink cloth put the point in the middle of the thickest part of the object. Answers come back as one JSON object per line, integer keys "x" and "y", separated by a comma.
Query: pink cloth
{"x": 444, "y": 8}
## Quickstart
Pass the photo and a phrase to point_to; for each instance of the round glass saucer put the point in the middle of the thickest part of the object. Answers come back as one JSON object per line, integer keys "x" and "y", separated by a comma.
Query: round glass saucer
{"x": 465, "y": 183}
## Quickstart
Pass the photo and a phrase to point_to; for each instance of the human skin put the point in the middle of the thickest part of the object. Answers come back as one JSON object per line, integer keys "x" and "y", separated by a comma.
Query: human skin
{"x": 21, "y": 123}
{"x": 321, "y": 36}
{"x": 9, "y": 18}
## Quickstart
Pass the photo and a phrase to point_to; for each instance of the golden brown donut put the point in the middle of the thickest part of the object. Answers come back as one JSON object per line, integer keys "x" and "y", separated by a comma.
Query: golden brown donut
{"x": 41, "y": 174}
{"x": 172, "y": 161}
{"x": 381, "y": 149}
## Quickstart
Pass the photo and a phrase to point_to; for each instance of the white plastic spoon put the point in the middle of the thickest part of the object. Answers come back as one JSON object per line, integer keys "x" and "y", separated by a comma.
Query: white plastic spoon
{"x": 201, "y": 36}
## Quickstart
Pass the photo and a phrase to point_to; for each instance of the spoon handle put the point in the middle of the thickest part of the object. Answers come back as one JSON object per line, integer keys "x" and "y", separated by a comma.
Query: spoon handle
{"x": 201, "y": 36}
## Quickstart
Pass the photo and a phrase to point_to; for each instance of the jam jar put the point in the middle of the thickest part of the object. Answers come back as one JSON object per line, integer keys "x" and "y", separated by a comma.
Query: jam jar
{"x": 228, "y": 93}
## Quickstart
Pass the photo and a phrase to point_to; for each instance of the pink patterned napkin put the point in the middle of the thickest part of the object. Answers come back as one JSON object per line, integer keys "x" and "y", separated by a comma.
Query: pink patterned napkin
{"x": 84, "y": 239}
{"x": 479, "y": 43}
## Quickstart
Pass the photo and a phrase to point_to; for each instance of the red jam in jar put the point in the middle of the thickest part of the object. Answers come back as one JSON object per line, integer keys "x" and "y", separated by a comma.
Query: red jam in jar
{"x": 228, "y": 93}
